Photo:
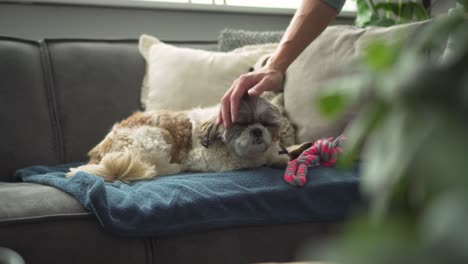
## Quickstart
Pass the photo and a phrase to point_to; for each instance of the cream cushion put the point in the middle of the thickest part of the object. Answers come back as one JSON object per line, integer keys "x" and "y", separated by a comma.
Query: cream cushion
{"x": 328, "y": 57}
{"x": 183, "y": 78}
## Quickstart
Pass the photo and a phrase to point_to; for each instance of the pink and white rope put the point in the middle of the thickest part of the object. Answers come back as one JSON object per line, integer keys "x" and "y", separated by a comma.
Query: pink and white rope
{"x": 324, "y": 152}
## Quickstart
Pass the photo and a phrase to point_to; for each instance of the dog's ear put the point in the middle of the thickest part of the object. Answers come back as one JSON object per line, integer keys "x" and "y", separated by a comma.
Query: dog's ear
{"x": 275, "y": 134}
{"x": 209, "y": 132}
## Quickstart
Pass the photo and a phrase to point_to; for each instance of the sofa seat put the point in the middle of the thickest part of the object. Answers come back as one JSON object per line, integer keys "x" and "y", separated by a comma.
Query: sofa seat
{"x": 35, "y": 218}
{"x": 28, "y": 201}
{"x": 189, "y": 202}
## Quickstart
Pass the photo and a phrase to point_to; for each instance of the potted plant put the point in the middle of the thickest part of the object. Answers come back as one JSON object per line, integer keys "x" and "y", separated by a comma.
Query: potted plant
{"x": 413, "y": 132}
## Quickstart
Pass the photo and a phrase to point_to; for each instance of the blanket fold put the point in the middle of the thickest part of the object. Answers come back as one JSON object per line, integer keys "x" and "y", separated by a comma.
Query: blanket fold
{"x": 200, "y": 201}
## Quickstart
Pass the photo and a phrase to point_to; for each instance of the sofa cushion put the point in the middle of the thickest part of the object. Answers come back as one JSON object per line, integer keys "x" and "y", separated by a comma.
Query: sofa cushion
{"x": 330, "y": 56}
{"x": 96, "y": 83}
{"x": 46, "y": 225}
{"x": 29, "y": 200}
{"x": 184, "y": 78}
{"x": 35, "y": 219}
{"x": 31, "y": 212}
{"x": 231, "y": 39}
{"x": 80, "y": 238}
{"x": 26, "y": 117}
{"x": 75, "y": 239}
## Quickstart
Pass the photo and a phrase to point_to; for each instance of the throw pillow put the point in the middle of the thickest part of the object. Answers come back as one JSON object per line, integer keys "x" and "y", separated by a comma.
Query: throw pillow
{"x": 183, "y": 78}
{"x": 322, "y": 61}
{"x": 230, "y": 39}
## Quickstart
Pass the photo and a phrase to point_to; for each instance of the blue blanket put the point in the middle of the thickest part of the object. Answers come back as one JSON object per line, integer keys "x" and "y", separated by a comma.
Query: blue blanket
{"x": 200, "y": 201}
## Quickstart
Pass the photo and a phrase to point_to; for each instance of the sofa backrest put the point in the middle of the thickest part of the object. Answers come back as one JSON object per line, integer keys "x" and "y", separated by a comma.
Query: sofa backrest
{"x": 58, "y": 98}
{"x": 94, "y": 85}
{"x": 28, "y": 133}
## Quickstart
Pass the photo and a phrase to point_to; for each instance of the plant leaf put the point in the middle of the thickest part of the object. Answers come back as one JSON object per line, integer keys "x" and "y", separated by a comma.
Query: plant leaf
{"x": 464, "y": 3}
{"x": 366, "y": 121}
{"x": 391, "y": 7}
{"x": 411, "y": 10}
{"x": 365, "y": 15}
{"x": 380, "y": 56}
{"x": 339, "y": 94}
{"x": 390, "y": 150}
{"x": 331, "y": 105}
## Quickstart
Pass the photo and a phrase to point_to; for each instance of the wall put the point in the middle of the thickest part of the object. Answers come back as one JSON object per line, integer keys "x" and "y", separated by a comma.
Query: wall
{"x": 37, "y": 21}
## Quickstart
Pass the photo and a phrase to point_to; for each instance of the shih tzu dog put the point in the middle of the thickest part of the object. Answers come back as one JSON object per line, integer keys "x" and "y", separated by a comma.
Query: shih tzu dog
{"x": 149, "y": 144}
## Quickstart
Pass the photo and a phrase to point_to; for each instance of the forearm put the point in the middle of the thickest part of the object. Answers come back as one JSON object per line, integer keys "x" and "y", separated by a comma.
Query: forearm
{"x": 310, "y": 19}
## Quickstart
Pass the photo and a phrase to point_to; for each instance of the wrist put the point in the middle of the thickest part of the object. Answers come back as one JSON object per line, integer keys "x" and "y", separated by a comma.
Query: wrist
{"x": 277, "y": 74}
{"x": 276, "y": 65}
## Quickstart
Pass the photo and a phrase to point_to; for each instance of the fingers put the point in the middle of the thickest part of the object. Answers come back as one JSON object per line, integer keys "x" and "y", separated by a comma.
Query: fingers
{"x": 224, "y": 115}
{"x": 258, "y": 89}
{"x": 230, "y": 102}
{"x": 236, "y": 95}
{"x": 219, "y": 121}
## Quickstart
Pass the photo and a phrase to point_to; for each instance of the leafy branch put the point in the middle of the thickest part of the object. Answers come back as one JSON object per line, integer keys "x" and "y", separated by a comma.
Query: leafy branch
{"x": 389, "y": 13}
{"x": 412, "y": 130}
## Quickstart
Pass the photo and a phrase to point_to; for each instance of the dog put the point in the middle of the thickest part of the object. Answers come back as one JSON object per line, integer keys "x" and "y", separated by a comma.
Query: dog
{"x": 155, "y": 143}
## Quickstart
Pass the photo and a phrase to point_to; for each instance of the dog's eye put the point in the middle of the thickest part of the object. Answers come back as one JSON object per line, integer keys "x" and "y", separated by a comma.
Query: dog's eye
{"x": 269, "y": 124}
{"x": 243, "y": 123}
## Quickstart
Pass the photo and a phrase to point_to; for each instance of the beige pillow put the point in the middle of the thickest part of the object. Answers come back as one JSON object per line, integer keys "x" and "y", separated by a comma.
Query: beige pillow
{"x": 184, "y": 78}
{"x": 320, "y": 62}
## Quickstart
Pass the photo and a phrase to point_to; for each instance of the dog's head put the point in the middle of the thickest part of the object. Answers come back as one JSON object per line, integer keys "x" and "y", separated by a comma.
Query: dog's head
{"x": 253, "y": 133}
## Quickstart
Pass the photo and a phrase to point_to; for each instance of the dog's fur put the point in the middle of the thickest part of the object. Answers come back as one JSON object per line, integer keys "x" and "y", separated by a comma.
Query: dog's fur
{"x": 149, "y": 144}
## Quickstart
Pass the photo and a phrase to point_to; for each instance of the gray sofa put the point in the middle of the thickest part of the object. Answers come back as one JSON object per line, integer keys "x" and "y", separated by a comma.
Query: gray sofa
{"x": 57, "y": 99}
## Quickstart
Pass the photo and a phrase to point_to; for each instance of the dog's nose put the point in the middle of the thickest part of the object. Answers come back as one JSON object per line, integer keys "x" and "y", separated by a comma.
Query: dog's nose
{"x": 256, "y": 132}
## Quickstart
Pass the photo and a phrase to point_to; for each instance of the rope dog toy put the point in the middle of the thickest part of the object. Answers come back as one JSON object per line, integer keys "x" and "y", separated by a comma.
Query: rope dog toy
{"x": 324, "y": 152}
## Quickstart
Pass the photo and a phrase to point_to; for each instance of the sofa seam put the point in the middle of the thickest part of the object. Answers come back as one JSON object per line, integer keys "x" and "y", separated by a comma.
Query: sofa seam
{"x": 11, "y": 174}
{"x": 107, "y": 40}
{"x": 45, "y": 218}
{"x": 148, "y": 243}
{"x": 52, "y": 102}
{"x": 22, "y": 40}
{"x": 128, "y": 40}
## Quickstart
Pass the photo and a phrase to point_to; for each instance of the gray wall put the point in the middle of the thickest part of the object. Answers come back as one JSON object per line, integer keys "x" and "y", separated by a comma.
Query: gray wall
{"x": 64, "y": 21}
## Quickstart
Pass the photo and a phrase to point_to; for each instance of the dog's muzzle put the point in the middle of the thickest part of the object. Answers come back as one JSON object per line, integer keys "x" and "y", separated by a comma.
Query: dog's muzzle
{"x": 257, "y": 136}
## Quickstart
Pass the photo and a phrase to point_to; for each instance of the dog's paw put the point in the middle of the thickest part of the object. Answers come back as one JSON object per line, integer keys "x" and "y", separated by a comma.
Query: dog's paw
{"x": 296, "y": 150}
{"x": 280, "y": 162}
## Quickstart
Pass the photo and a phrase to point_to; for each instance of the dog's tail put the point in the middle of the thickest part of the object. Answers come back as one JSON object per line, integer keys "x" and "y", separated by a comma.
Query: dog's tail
{"x": 124, "y": 166}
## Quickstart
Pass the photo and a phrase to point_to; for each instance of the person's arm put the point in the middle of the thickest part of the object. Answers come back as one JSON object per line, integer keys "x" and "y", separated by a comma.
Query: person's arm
{"x": 310, "y": 19}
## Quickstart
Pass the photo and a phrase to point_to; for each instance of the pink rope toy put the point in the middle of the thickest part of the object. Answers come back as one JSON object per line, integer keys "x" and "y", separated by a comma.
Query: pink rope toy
{"x": 324, "y": 152}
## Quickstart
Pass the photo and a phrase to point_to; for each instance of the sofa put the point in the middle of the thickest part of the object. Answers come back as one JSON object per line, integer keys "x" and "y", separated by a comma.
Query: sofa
{"x": 58, "y": 98}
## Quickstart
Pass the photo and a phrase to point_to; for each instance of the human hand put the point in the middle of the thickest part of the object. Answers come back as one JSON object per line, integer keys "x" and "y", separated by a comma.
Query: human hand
{"x": 254, "y": 83}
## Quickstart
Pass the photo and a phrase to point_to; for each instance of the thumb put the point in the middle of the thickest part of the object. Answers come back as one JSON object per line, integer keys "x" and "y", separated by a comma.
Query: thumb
{"x": 258, "y": 89}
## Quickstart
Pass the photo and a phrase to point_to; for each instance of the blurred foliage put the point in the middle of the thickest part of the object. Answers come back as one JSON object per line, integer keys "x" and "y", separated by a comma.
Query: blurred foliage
{"x": 412, "y": 130}
{"x": 464, "y": 3}
{"x": 389, "y": 13}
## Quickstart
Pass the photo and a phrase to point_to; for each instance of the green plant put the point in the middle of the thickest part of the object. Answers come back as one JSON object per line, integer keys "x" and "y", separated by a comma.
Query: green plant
{"x": 413, "y": 132}
{"x": 389, "y": 13}
{"x": 464, "y": 3}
